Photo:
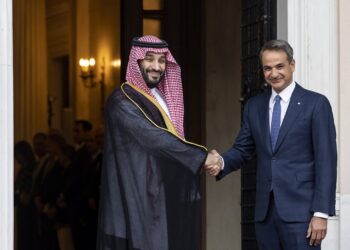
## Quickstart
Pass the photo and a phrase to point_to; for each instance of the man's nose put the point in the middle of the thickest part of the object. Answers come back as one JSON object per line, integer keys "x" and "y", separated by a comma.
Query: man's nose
{"x": 156, "y": 65}
{"x": 274, "y": 73}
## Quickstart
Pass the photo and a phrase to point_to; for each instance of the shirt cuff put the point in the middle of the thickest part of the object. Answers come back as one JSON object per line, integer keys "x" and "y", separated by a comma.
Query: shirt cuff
{"x": 321, "y": 215}
{"x": 222, "y": 163}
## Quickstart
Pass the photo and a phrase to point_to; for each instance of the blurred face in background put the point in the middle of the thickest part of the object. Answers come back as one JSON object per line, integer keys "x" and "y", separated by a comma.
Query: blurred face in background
{"x": 53, "y": 147}
{"x": 99, "y": 137}
{"x": 91, "y": 144}
{"x": 79, "y": 134}
{"x": 56, "y": 144}
{"x": 19, "y": 158}
{"x": 40, "y": 145}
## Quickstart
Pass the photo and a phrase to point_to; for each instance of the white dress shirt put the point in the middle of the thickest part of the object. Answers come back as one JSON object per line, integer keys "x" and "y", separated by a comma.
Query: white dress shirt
{"x": 160, "y": 100}
{"x": 285, "y": 99}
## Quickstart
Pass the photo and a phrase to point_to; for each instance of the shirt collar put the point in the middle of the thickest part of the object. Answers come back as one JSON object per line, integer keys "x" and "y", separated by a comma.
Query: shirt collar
{"x": 284, "y": 94}
{"x": 155, "y": 91}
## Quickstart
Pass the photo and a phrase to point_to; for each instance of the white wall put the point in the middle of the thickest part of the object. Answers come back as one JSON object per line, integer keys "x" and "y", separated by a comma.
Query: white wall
{"x": 6, "y": 126}
{"x": 311, "y": 27}
{"x": 318, "y": 30}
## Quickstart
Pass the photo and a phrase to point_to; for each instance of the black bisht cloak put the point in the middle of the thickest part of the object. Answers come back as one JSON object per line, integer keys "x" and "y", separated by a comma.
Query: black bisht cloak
{"x": 150, "y": 194}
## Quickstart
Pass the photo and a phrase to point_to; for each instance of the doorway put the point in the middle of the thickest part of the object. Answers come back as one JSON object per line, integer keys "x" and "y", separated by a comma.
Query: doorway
{"x": 258, "y": 26}
{"x": 59, "y": 105}
{"x": 179, "y": 23}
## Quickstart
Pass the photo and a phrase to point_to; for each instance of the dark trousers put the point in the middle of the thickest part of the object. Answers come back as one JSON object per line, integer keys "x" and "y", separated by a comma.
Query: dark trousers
{"x": 275, "y": 234}
{"x": 25, "y": 219}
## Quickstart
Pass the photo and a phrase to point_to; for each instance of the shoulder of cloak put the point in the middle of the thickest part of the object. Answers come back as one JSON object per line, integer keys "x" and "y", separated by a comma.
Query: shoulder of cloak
{"x": 130, "y": 95}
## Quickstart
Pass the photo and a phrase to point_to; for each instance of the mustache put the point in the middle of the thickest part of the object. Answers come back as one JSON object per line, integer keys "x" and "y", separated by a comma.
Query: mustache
{"x": 153, "y": 70}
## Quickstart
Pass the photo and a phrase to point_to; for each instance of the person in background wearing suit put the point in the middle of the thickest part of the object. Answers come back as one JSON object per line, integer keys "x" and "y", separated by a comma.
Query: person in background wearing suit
{"x": 81, "y": 130}
{"x": 291, "y": 130}
{"x": 91, "y": 177}
{"x": 25, "y": 216}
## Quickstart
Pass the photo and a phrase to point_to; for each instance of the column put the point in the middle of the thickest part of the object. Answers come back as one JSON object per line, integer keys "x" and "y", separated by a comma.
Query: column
{"x": 6, "y": 126}
{"x": 344, "y": 123}
{"x": 311, "y": 27}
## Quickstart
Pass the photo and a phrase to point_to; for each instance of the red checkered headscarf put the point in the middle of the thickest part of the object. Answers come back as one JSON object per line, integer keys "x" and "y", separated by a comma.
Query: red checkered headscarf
{"x": 170, "y": 86}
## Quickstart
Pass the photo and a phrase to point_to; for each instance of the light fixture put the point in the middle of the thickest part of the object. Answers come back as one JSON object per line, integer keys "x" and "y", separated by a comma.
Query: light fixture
{"x": 87, "y": 74}
{"x": 116, "y": 63}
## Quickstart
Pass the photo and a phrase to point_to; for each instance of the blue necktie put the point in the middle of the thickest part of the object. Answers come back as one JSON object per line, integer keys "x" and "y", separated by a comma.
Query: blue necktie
{"x": 275, "y": 121}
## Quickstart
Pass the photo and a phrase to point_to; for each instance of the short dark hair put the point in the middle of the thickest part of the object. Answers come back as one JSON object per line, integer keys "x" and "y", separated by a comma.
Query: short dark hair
{"x": 58, "y": 139}
{"x": 25, "y": 150}
{"x": 40, "y": 135}
{"x": 277, "y": 45}
{"x": 86, "y": 125}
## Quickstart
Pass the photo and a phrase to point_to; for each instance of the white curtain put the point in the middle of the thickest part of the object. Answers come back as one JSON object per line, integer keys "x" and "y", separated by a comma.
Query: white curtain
{"x": 30, "y": 68}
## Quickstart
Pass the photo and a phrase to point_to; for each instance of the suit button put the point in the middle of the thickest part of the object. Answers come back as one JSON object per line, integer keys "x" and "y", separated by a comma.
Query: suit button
{"x": 273, "y": 158}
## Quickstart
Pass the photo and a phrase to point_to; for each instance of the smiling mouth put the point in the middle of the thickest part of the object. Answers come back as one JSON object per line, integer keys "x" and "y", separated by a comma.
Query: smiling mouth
{"x": 276, "y": 81}
{"x": 154, "y": 75}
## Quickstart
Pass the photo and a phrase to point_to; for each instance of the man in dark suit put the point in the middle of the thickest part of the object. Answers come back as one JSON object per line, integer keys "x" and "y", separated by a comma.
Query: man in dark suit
{"x": 291, "y": 130}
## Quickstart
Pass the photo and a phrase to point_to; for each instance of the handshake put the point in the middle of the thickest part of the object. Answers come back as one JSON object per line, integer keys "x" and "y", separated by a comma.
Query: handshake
{"x": 213, "y": 163}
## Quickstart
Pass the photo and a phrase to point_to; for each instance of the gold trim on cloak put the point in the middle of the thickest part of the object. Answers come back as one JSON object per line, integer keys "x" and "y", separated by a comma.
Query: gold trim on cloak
{"x": 169, "y": 125}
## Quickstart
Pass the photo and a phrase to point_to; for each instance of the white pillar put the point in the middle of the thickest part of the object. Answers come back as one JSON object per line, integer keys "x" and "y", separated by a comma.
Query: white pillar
{"x": 6, "y": 126}
{"x": 311, "y": 27}
{"x": 344, "y": 122}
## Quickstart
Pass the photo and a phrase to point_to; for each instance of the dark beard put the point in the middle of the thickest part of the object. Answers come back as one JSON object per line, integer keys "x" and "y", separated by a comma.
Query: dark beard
{"x": 151, "y": 83}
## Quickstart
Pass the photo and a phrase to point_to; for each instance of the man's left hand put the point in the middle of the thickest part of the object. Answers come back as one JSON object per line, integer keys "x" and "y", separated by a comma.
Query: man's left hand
{"x": 317, "y": 230}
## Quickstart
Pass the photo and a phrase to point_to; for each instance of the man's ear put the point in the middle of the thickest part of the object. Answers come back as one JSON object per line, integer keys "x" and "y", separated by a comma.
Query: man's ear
{"x": 292, "y": 63}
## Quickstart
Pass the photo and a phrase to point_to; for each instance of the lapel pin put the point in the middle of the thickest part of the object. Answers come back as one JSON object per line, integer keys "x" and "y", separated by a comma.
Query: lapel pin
{"x": 298, "y": 103}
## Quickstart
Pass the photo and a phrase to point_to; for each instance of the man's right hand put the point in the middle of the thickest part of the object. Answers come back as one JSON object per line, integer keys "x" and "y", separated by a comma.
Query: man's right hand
{"x": 213, "y": 163}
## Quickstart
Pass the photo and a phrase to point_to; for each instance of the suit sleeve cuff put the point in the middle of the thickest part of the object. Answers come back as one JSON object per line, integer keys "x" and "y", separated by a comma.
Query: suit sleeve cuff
{"x": 222, "y": 163}
{"x": 321, "y": 215}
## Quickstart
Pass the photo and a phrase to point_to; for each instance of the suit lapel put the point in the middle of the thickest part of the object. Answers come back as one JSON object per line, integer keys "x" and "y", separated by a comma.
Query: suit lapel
{"x": 294, "y": 108}
{"x": 264, "y": 120}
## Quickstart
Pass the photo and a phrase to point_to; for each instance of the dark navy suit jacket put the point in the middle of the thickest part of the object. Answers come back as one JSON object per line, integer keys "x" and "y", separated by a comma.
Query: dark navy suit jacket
{"x": 303, "y": 167}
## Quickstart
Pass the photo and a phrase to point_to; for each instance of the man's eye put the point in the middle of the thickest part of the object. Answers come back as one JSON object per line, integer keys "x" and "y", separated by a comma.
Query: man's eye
{"x": 267, "y": 69}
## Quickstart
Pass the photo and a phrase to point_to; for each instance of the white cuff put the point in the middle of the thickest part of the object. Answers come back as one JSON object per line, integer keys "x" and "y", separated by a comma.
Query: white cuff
{"x": 321, "y": 215}
{"x": 222, "y": 163}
